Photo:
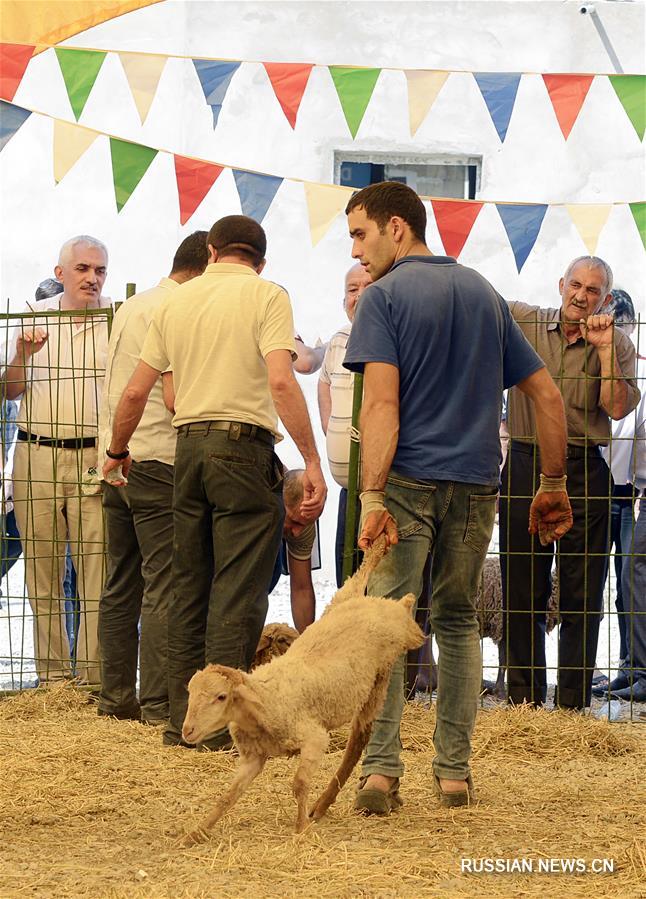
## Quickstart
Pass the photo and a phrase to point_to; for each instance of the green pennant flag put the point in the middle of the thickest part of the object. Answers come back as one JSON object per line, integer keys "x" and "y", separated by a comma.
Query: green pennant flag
{"x": 354, "y": 87}
{"x": 79, "y": 69}
{"x": 129, "y": 165}
{"x": 639, "y": 214}
{"x": 631, "y": 90}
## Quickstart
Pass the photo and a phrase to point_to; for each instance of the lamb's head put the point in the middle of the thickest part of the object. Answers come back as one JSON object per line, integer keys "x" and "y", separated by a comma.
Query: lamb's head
{"x": 210, "y": 701}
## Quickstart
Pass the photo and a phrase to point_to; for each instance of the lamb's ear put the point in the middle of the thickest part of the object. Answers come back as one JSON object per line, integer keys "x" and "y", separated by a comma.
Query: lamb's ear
{"x": 248, "y": 708}
{"x": 263, "y": 643}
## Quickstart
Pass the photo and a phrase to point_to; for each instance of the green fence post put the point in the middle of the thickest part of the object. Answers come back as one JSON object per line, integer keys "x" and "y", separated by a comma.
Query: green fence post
{"x": 351, "y": 523}
{"x": 131, "y": 289}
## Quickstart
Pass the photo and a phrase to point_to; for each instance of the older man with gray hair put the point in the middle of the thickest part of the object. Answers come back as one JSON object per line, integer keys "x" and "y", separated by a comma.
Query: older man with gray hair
{"x": 55, "y": 364}
{"x": 593, "y": 365}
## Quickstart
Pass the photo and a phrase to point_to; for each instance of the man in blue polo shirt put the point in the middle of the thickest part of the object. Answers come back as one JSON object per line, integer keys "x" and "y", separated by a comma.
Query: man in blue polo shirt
{"x": 437, "y": 346}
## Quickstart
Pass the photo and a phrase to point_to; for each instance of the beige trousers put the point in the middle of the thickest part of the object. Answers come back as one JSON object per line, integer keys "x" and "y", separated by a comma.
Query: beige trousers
{"x": 53, "y": 507}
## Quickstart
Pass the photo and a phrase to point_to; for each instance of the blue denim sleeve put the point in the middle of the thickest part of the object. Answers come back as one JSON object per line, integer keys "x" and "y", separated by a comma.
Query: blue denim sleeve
{"x": 373, "y": 337}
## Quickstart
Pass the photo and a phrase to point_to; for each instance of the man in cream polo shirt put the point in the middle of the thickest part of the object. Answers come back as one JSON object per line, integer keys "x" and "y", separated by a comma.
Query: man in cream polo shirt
{"x": 228, "y": 339}
{"x": 139, "y": 517}
{"x": 56, "y": 366}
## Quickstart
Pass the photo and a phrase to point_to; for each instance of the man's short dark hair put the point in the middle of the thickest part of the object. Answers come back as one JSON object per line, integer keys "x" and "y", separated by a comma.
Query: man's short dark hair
{"x": 192, "y": 254}
{"x": 239, "y": 235}
{"x": 621, "y": 306}
{"x": 388, "y": 198}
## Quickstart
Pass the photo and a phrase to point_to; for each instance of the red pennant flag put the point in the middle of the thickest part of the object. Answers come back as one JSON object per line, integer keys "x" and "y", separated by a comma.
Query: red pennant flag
{"x": 289, "y": 81}
{"x": 454, "y": 221}
{"x": 14, "y": 59}
{"x": 194, "y": 180}
{"x": 567, "y": 93}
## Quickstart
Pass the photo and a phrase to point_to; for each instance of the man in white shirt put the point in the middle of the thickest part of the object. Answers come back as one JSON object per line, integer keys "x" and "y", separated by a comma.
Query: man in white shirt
{"x": 55, "y": 363}
{"x": 335, "y": 390}
{"x": 139, "y": 516}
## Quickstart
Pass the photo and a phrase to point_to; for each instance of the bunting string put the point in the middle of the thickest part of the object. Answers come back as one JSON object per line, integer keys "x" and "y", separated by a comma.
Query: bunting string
{"x": 455, "y": 218}
{"x": 354, "y": 85}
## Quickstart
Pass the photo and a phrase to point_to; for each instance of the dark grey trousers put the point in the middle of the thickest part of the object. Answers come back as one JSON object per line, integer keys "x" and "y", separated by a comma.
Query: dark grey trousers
{"x": 229, "y": 513}
{"x": 139, "y": 531}
{"x": 526, "y": 579}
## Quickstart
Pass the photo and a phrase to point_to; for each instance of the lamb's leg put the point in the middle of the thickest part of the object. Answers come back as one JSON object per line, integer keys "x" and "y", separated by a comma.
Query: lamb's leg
{"x": 312, "y": 750}
{"x": 356, "y": 585}
{"x": 357, "y": 742}
{"x": 248, "y": 769}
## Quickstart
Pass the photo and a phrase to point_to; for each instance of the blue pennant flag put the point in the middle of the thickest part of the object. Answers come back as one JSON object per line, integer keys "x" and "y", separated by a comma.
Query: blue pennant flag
{"x": 499, "y": 93}
{"x": 256, "y": 192}
{"x": 522, "y": 224}
{"x": 215, "y": 78}
{"x": 11, "y": 118}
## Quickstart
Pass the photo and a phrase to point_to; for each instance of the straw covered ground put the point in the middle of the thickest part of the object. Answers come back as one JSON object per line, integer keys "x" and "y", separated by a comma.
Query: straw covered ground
{"x": 92, "y": 807}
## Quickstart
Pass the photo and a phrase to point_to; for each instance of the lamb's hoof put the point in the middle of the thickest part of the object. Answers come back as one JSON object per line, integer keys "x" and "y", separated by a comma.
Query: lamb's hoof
{"x": 314, "y": 814}
{"x": 490, "y": 688}
{"x": 194, "y": 838}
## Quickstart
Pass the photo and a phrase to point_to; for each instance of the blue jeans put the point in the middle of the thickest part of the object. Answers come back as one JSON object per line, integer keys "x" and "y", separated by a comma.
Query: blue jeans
{"x": 454, "y": 522}
{"x": 621, "y": 535}
{"x": 633, "y": 582}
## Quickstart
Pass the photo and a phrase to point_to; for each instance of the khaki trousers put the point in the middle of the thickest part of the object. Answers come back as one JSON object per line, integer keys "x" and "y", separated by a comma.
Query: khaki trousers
{"x": 54, "y": 507}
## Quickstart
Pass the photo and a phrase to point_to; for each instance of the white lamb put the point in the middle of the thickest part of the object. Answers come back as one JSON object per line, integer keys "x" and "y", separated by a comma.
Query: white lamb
{"x": 337, "y": 671}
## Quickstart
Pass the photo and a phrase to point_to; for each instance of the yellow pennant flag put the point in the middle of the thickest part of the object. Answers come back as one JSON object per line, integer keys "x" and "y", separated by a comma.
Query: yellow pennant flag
{"x": 589, "y": 221}
{"x": 143, "y": 73}
{"x": 324, "y": 203}
{"x": 70, "y": 143}
{"x": 423, "y": 88}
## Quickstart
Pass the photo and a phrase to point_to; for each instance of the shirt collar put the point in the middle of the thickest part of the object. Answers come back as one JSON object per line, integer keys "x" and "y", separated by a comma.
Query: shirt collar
{"x": 229, "y": 268}
{"x": 168, "y": 283}
{"x": 432, "y": 260}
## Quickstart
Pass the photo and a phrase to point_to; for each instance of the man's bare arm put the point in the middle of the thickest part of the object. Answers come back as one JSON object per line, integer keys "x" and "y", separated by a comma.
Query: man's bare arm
{"x": 309, "y": 358}
{"x": 301, "y": 592}
{"x": 291, "y": 407}
{"x": 128, "y": 414}
{"x": 551, "y": 428}
{"x": 325, "y": 404}
{"x": 168, "y": 391}
{"x": 550, "y": 514}
{"x": 27, "y": 345}
{"x": 379, "y": 434}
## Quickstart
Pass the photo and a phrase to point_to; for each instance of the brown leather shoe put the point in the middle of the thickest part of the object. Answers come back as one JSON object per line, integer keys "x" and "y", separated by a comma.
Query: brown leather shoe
{"x": 458, "y": 798}
{"x": 377, "y": 802}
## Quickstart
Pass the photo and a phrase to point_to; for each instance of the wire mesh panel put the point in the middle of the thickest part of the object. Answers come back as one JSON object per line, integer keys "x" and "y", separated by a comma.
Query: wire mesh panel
{"x": 53, "y": 363}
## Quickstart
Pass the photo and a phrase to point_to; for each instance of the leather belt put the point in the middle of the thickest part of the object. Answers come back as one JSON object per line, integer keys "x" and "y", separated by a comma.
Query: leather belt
{"x": 236, "y": 430}
{"x": 573, "y": 452}
{"x": 62, "y": 443}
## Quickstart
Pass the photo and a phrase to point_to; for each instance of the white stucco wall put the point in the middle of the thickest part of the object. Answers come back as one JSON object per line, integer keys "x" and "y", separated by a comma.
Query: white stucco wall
{"x": 602, "y": 162}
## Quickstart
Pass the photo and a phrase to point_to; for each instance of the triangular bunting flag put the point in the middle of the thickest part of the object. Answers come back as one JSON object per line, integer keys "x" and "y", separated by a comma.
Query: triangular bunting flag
{"x": 194, "y": 180}
{"x": 70, "y": 143}
{"x": 14, "y": 59}
{"x": 289, "y": 81}
{"x": 256, "y": 192}
{"x": 324, "y": 203}
{"x": 499, "y": 93}
{"x": 79, "y": 69}
{"x": 423, "y": 88}
{"x": 142, "y": 73}
{"x": 522, "y": 224}
{"x": 631, "y": 90}
{"x": 454, "y": 222}
{"x": 130, "y": 163}
{"x": 589, "y": 221}
{"x": 639, "y": 214}
{"x": 11, "y": 118}
{"x": 567, "y": 93}
{"x": 215, "y": 78}
{"x": 354, "y": 87}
